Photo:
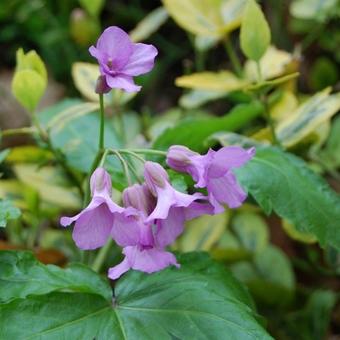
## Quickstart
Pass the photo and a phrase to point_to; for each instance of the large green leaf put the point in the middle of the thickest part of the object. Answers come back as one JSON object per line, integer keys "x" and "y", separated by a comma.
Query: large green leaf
{"x": 198, "y": 301}
{"x": 21, "y": 275}
{"x": 193, "y": 133}
{"x": 282, "y": 182}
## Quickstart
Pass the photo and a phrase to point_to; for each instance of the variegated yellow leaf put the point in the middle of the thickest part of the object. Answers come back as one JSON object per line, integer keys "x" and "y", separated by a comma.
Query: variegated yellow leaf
{"x": 307, "y": 117}
{"x": 213, "y": 18}
{"x": 274, "y": 63}
{"x": 203, "y": 232}
{"x": 214, "y": 81}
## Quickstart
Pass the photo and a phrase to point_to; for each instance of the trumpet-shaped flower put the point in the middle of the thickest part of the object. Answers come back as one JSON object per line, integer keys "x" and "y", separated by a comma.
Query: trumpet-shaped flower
{"x": 144, "y": 239}
{"x": 120, "y": 59}
{"x": 214, "y": 172}
{"x": 93, "y": 224}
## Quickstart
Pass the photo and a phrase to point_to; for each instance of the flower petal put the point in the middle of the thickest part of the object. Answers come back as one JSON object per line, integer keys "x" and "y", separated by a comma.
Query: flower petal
{"x": 170, "y": 228}
{"x": 116, "y": 45}
{"x": 95, "y": 202}
{"x": 121, "y": 268}
{"x": 141, "y": 60}
{"x": 93, "y": 227}
{"x": 226, "y": 190}
{"x": 126, "y": 230}
{"x": 227, "y": 158}
{"x": 149, "y": 260}
{"x": 198, "y": 209}
{"x": 122, "y": 82}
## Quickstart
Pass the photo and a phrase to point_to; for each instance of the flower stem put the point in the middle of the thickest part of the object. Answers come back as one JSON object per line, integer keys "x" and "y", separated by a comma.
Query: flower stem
{"x": 233, "y": 57}
{"x": 146, "y": 151}
{"x": 101, "y": 129}
{"x": 101, "y": 256}
{"x": 124, "y": 165}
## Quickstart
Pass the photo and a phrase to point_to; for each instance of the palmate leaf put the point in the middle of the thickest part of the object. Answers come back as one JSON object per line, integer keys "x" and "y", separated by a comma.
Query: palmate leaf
{"x": 21, "y": 275}
{"x": 282, "y": 182}
{"x": 200, "y": 300}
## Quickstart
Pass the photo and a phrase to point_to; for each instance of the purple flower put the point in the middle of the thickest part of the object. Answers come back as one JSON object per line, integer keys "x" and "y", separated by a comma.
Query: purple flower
{"x": 142, "y": 241}
{"x": 157, "y": 180}
{"x": 120, "y": 59}
{"x": 213, "y": 171}
{"x": 93, "y": 224}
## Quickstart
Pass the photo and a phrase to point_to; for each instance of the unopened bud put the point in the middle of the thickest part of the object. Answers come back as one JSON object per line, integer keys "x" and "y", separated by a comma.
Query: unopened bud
{"x": 100, "y": 182}
{"x": 155, "y": 176}
{"x": 101, "y": 85}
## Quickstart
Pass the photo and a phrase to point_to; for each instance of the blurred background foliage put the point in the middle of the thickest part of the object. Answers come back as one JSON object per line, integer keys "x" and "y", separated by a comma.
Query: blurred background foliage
{"x": 199, "y": 94}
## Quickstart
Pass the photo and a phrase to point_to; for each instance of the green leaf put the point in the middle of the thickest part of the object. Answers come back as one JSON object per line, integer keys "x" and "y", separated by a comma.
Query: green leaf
{"x": 193, "y": 133}
{"x": 7, "y": 212}
{"x": 212, "y": 81}
{"x": 30, "y": 79}
{"x": 30, "y": 61}
{"x": 308, "y": 117}
{"x": 74, "y": 129}
{"x": 314, "y": 319}
{"x": 196, "y": 98}
{"x": 93, "y": 7}
{"x": 251, "y": 231}
{"x": 255, "y": 32}
{"x": 21, "y": 275}
{"x": 330, "y": 155}
{"x": 28, "y": 87}
{"x": 282, "y": 182}
{"x": 201, "y": 299}
{"x": 149, "y": 25}
{"x": 270, "y": 276}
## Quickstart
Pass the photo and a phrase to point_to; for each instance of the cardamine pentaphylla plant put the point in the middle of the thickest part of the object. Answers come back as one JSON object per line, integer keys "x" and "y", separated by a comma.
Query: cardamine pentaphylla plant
{"x": 139, "y": 210}
{"x": 154, "y": 212}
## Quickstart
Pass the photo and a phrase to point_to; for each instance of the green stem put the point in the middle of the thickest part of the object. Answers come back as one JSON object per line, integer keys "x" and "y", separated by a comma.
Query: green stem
{"x": 101, "y": 256}
{"x": 270, "y": 122}
{"x": 233, "y": 57}
{"x": 129, "y": 152}
{"x": 19, "y": 131}
{"x": 259, "y": 72}
{"x": 101, "y": 129}
{"x": 264, "y": 100}
{"x": 146, "y": 151}
{"x": 124, "y": 165}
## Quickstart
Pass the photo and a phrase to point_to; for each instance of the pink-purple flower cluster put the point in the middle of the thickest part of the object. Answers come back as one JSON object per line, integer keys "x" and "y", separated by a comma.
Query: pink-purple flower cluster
{"x": 154, "y": 213}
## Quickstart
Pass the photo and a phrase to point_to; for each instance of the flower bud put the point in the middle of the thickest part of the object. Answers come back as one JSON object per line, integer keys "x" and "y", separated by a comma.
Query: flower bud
{"x": 179, "y": 157}
{"x": 100, "y": 182}
{"x": 101, "y": 85}
{"x": 155, "y": 176}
